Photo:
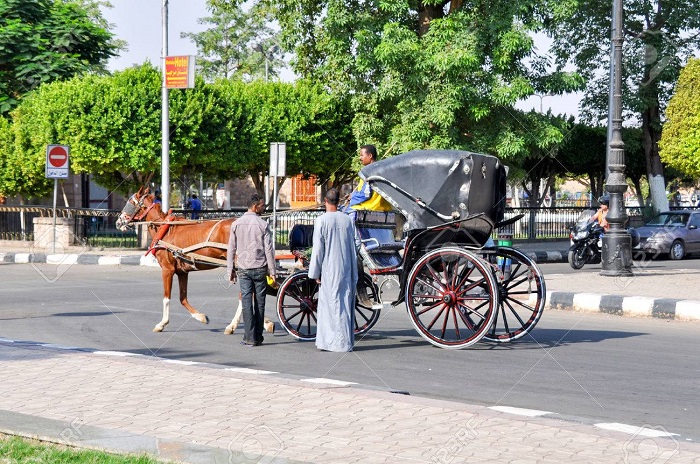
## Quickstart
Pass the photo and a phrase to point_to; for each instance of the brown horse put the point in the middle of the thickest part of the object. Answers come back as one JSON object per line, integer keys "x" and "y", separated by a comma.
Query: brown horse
{"x": 181, "y": 246}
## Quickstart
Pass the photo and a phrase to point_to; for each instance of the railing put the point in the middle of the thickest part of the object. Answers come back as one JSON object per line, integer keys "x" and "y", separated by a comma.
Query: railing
{"x": 96, "y": 227}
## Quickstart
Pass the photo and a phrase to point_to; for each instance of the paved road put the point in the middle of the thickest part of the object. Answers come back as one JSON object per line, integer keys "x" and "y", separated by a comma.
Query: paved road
{"x": 589, "y": 366}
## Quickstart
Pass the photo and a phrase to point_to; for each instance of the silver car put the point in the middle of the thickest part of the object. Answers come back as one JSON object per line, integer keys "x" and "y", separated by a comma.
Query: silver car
{"x": 672, "y": 232}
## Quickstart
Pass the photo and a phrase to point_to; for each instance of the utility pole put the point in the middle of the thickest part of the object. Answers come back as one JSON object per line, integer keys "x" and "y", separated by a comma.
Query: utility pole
{"x": 617, "y": 244}
{"x": 165, "y": 118}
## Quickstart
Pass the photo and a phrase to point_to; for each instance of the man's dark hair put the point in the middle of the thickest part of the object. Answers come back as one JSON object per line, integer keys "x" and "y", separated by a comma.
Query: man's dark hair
{"x": 254, "y": 200}
{"x": 371, "y": 149}
{"x": 194, "y": 195}
{"x": 333, "y": 197}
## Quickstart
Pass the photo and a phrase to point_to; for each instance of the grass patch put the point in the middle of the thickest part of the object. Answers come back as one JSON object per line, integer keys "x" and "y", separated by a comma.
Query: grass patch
{"x": 15, "y": 449}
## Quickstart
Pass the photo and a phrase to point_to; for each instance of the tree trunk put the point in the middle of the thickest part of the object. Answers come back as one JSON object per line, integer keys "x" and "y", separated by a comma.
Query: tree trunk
{"x": 651, "y": 134}
{"x": 426, "y": 13}
{"x": 258, "y": 179}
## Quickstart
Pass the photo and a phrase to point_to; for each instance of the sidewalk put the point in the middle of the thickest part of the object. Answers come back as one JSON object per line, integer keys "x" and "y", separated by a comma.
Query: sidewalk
{"x": 200, "y": 413}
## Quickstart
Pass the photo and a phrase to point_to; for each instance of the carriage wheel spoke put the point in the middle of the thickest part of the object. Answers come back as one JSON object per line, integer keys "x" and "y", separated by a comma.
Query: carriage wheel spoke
{"x": 515, "y": 314}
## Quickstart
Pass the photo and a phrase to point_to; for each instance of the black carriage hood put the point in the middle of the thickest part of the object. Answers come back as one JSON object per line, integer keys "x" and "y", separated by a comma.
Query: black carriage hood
{"x": 432, "y": 187}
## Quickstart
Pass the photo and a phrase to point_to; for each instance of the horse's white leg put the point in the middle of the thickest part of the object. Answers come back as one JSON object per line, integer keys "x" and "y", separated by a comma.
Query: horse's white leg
{"x": 166, "y": 316}
{"x": 167, "y": 289}
{"x": 269, "y": 326}
{"x": 231, "y": 328}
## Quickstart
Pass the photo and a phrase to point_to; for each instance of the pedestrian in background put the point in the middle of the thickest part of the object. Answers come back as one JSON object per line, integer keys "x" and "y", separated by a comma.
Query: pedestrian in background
{"x": 250, "y": 248}
{"x": 334, "y": 266}
{"x": 196, "y": 206}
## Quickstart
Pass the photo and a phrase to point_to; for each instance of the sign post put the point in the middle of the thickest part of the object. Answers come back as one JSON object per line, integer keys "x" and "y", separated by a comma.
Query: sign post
{"x": 278, "y": 164}
{"x": 57, "y": 157}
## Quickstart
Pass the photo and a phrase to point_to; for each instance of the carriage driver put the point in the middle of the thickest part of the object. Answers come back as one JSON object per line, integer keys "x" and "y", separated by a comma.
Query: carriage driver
{"x": 363, "y": 197}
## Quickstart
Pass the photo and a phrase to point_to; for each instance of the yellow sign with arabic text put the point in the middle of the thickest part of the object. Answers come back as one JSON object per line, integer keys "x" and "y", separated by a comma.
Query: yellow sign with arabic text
{"x": 179, "y": 72}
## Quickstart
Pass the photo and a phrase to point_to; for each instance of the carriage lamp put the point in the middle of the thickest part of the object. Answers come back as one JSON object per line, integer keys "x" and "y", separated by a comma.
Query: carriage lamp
{"x": 617, "y": 243}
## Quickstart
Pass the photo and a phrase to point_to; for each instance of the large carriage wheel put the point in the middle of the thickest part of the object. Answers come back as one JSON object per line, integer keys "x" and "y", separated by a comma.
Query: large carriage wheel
{"x": 366, "y": 315}
{"x": 451, "y": 297}
{"x": 522, "y": 296}
{"x": 297, "y": 301}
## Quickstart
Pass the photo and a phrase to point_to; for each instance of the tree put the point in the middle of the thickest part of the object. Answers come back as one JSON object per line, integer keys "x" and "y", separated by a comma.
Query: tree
{"x": 112, "y": 124}
{"x": 48, "y": 40}
{"x": 237, "y": 44}
{"x": 417, "y": 74}
{"x": 680, "y": 140}
{"x": 222, "y": 130}
{"x": 304, "y": 116}
{"x": 659, "y": 37}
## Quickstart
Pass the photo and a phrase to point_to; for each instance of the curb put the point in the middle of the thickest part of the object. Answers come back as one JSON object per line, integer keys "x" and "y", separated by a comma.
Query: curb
{"x": 75, "y": 258}
{"x": 141, "y": 260}
{"x": 548, "y": 256}
{"x": 636, "y": 306}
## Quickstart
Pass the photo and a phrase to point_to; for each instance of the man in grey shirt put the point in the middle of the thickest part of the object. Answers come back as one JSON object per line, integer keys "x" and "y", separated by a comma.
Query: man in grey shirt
{"x": 250, "y": 244}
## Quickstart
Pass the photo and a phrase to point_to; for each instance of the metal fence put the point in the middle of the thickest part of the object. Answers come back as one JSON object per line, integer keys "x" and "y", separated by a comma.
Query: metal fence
{"x": 96, "y": 227}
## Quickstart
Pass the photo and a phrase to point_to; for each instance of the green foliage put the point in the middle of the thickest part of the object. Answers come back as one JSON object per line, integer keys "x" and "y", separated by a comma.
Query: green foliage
{"x": 221, "y": 130}
{"x": 304, "y": 116}
{"x": 238, "y": 44}
{"x": 418, "y": 74}
{"x": 15, "y": 449}
{"x": 658, "y": 38}
{"x": 113, "y": 126}
{"x": 47, "y": 40}
{"x": 680, "y": 140}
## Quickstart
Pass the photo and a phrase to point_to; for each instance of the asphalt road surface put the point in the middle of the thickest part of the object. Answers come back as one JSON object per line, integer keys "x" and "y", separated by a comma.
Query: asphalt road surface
{"x": 587, "y": 367}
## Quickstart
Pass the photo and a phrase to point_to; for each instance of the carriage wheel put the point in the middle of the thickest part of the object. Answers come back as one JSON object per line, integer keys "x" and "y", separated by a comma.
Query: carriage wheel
{"x": 365, "y": 315}
{"x": 521, "y": 296}
{"x": 451, "y": 297}
{"x": 297, "y": 300}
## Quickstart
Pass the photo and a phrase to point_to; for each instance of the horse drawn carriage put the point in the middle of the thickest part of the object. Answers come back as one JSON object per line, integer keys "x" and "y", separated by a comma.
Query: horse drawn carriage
{"x": 457, "y": 286}
{"x": 457, "y": 289}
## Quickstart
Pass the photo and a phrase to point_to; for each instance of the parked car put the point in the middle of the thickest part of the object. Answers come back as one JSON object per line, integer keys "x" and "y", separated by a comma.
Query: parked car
{"x": 674, "y": 233}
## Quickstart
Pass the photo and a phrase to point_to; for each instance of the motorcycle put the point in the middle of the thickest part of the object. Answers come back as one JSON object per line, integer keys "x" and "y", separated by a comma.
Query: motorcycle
{"x": 586, "y": 243}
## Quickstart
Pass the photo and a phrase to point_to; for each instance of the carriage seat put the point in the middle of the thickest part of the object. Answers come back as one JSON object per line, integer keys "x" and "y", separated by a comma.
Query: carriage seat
{"x": 378, "y": 246}
{"x": 301, "y": 238}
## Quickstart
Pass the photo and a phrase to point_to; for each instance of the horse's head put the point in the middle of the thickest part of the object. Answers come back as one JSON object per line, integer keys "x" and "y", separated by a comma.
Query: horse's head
{"x": 137, "y": 208}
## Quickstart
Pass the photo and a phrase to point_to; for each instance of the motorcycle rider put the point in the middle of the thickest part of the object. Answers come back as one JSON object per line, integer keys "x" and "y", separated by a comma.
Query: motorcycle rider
{"x": 601, "y": 214}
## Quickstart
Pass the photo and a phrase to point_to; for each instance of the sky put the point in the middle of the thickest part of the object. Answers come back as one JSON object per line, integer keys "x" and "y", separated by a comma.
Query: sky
{"x": 139, "y": 22}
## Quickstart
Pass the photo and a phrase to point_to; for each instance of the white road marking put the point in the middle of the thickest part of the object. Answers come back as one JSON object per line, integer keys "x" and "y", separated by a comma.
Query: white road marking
{"x": 520, "y": 411}
{"x": 635, "y": 430}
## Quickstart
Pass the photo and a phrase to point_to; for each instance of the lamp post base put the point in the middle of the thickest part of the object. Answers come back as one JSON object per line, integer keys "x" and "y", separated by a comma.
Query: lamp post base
{"x": 617, "y": 254}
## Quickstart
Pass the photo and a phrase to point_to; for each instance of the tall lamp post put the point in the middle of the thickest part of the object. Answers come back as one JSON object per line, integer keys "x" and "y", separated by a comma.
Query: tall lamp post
{"x": 617, "y": 247}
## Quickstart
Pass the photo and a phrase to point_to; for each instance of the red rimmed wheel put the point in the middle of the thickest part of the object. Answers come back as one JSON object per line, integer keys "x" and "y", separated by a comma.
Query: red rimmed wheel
{"x": 366, "y": 314}
{"x": 297, "y": 299}
{"x": 522, "y": 296}
{"x": 451, "y": 297}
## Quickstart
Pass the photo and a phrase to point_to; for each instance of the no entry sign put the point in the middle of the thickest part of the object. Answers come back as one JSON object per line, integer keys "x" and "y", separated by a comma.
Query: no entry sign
{"x": 57, "y": 157}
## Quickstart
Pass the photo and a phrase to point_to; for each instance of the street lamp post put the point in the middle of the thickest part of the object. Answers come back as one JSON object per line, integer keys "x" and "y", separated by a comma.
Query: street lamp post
{"x": 542, "y": 97}
{"x": 617, "y": 247}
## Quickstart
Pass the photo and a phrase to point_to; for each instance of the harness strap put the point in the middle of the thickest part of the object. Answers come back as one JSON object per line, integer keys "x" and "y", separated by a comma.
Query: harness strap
{"x": 211, "y": 232}
{"x": 162, "y": 230}
{"x": 221, "y": 246}
{"x": 186, "y": 253}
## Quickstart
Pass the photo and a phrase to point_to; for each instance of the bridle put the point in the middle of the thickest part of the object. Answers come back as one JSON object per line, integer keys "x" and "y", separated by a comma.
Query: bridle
{"x": 133, "y": 206}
